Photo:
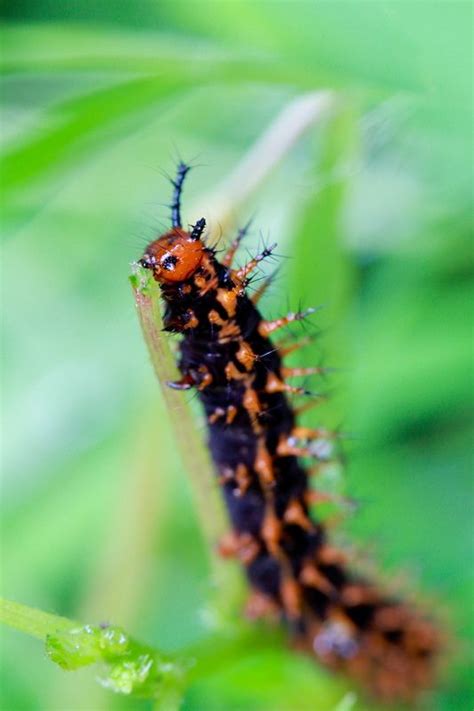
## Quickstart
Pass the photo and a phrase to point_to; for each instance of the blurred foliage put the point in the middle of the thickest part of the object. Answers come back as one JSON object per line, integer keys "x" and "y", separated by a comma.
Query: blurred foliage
{"x": 127, "y": 666}
{"x": 374, "y": 208}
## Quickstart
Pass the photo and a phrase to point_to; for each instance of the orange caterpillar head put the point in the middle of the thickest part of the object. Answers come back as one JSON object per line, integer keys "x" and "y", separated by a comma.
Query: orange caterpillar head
{"x": 176, "y": 255}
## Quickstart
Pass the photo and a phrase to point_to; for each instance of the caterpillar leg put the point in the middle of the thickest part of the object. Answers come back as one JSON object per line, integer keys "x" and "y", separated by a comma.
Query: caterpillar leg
{"x": 228, "y": 413}
{"x": 185, "y": 383}
{"x": 241, "y": 546}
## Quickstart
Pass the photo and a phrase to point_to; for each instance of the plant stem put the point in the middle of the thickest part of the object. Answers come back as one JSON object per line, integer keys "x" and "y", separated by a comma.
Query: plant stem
{"x": 209, "y": 506}
{"x": 32, "y": 621}
{"x": 197, "y": 462}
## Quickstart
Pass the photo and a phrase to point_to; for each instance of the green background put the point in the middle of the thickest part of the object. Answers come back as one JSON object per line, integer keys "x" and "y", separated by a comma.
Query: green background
{"x": 373, "y": 208}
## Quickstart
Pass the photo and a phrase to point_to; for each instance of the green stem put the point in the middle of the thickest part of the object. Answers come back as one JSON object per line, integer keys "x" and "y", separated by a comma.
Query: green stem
{"x": 34, "y": 622}
{"x": 209, "y": 506}
{"x": 73, "y": 645}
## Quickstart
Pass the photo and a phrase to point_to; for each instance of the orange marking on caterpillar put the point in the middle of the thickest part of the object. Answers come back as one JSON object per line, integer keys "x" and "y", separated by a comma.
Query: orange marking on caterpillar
{"x": 328, "y": 555}
{"x": 242, "y": 546}
{"x": 311, "y": 577}
{"x": 231, "y": 413}
{"x": 216, "y": 415}
{"x": 225, "y": 475}
{"x": 229, "y": 332}
{"x": 264, "y": 465}
{"x": 261, "y": 606}
{"x": 252, "y": 404}
{"x": 206, "y": 377}
{"x": 290, "y": 593}
{"x": 192, "y": 321}
{"x": 228, "y": 329}
{"x": 271, "y": 532}
{"x": 233, "y": 373}
{"x": 296, "y": 514}
{"x": 354, "y": 595}
{"x": 246, "y": 356}
{"x": 227, "y": 546}
{"x": 214, "y": 318}
{"x": 206, "y": 280}
{"x": 276, "y": 385}
{"x": 242, "y": 479}
{"x": 228, "y": 299}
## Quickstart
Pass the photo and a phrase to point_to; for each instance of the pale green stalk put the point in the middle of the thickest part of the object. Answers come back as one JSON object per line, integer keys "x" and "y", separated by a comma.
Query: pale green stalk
{"x": 33, "y": 621}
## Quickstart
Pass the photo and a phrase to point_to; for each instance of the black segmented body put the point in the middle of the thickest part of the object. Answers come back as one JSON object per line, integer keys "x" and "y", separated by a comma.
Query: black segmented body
{"x": 234, "y": 444}
{"x": 226, "y": 353}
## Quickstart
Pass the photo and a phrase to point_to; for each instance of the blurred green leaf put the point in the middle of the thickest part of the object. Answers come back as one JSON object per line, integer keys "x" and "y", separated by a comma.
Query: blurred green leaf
{"x": 375, "y": 212}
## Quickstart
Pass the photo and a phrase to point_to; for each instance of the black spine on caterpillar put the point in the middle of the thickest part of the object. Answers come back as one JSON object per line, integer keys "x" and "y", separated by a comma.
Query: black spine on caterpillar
{"x": 256, "y": 444}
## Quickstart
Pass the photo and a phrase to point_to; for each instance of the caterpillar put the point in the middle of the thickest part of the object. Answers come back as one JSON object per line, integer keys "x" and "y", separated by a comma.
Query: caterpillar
{"x": 225, "y": 353}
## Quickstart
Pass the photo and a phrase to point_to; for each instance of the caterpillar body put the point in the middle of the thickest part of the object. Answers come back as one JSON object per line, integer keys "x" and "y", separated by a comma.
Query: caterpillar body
{"x": 226, "y": 354}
